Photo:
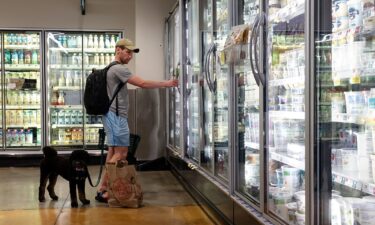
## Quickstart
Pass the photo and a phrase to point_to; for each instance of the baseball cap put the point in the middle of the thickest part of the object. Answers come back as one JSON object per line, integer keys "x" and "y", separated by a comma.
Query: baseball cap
{"x": 127, "y": 44}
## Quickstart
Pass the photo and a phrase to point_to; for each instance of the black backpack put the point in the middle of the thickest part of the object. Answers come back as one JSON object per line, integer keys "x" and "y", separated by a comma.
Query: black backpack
{"x": 95, "y": 97}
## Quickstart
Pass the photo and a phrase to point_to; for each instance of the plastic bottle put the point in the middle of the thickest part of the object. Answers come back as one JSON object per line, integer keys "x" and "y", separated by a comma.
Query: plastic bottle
{"x": 107, "y": 42}
{"x": 68, "y": 117}
{"x": 95, "y": 41}
{"x": 14, "y": 57}
{"x": 34, "y": 57}
{"x": 38, "y": 137}
{"x": 77, "y": 79}
{"x": 96, "y": 59}
{"x": 79, "y": 41}
{"x": 68, "y": 80}
{"x": 90, "y": 42}
{"x": 107, "y": 59}
{"x": 371, "y": 102}
{"x": 62, "y": 79}
{"x": 101, "y": 42}
{"x": 61, "y": 118}
{"x": 29, "y": 136}
{"x": 54, "y": 117}
{"x": 61, "y": 99}
{"x": 27, "y": 56}
{"x": 101, "y": 59}
{"x": 113, "y": 41}
{"x": 20, "y": 57}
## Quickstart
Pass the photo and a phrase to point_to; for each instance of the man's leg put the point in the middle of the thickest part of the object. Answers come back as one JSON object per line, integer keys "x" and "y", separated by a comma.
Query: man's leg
{"x": 104, "y": 184}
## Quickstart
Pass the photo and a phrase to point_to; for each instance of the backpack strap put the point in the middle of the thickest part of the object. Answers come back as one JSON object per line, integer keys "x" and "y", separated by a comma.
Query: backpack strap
{"x": 117, "y": 89}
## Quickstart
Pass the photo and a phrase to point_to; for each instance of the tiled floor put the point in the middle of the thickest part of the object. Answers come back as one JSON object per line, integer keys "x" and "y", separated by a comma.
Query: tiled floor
{"x": 165, "y": 202}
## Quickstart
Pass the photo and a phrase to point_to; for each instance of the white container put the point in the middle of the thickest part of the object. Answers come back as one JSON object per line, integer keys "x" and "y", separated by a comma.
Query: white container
{"x": 291, "y": 178}
{"x": 349, "y": 159}
{"x": 355, "y": 102}
{"x": 300, "y": 219}
{"x": 300, "y": 198}
{"x": 355, "y": 13}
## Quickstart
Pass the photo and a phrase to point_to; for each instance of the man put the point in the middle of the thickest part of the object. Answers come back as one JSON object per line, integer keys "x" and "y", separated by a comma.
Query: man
{"x": 115, "y": 121}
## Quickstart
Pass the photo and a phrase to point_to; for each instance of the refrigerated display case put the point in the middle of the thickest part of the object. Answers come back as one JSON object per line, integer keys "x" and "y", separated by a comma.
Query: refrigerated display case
{"x": 193, "y": 78}
{"x": 21, "y": 98}
{"x": 286, "y": 110}
{"x": 173, "y": 71}
{"x": 70, "y": 58}
{"x": 247, "y": 161}
{"x": 345, "y": 88}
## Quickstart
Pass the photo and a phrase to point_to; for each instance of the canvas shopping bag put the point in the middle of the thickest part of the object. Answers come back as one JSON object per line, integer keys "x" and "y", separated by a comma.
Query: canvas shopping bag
{"x": 124, "y": 190}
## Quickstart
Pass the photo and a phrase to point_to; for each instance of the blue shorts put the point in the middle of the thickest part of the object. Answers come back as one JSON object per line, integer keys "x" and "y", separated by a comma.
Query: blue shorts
{"x": 117, "y": 130}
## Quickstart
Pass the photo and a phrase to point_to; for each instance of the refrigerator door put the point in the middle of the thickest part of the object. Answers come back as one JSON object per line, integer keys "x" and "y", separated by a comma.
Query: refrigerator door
{"x": 285, "y": 105}
{"x": 218, "y": 80}
{"x": 345, "y": 87}
{"x": 176, "y": 74}
{"x": 71, "y": 56}
{"x": 192, "y": 68}
{"x": 207, "y": 154}
{"x": 98, "y": 51}
{"x": 64, "y": 89}
{"x": 22, "y": 67}
{"x": 1, "y": 93}
{"x": 169, "y": 74}
{"x": 248, "y": 149}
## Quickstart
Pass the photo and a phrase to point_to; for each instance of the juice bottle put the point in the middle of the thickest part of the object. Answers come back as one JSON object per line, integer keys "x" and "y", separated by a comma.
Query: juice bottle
{"x": 74, "y": 135}
{"x": 80, "y": 135}
{"x": 21, "y": 136}
{"x": 107, "y": 42}
{"x": 67, "y": 117}
{"x": 54, "y": 117}
{"x": 61, "y": 79}
{"x": 90, "y": 42}
{"x": 61, "y": 100}
{"x": 34, "y": 57}
{"x": 95, "y": 41}
{"x": 101, "y": 41}
{"x": 61, "y": 117}
{"x": 38, "y": 136}
{"x": 68, "y": 80}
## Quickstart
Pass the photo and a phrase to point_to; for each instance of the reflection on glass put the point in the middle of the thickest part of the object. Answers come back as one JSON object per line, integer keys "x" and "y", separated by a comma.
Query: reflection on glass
{"x": 22, "y": 79}
{"x": 193, "y": 74}
{"x": 176, "y": 74}
{"x": 207, "y": 151}
{"x": 71, "y": 58}
{"x": 218, "y": 80}
{"x": 248, "y": 174}
{"x": 346, "y": 96}
{"x": 171, "y": 95}
{"x": 286, "y": 106}
{"x": 1, "y": 95}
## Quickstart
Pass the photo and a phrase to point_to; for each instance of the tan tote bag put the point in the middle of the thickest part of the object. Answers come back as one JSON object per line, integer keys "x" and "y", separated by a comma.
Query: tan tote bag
{"x": 124, "y": 190}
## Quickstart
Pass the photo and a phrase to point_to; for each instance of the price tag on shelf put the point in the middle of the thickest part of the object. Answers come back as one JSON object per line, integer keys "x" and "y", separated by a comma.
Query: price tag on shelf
{"x": 355, "y": 79}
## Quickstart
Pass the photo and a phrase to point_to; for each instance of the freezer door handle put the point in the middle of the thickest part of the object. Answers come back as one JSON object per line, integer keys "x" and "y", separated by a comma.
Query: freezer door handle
{"x": 252, "y": 50}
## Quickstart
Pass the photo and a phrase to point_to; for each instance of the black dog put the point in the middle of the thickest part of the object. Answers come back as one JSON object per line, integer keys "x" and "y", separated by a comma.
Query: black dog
{"x": 73, "y": 169}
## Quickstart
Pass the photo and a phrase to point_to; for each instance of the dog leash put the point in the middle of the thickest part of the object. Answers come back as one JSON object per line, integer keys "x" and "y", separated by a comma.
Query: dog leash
{"x": 101, "y": 146}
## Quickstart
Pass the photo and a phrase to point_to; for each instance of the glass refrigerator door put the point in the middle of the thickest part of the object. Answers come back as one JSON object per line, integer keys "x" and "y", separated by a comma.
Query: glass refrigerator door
{"x": 286, "y": 116}
{"x": 248, "y": 166}
{"x": 345, "y": 53}
{"x": 176, "y": 74}
{"x": 64, "y": 89}
{"x": 169, "y": 68}
{"x": 22, "y": 68}
{"x": 193, "y": 77}
{"x": 207, "y": 156}
{"x": 98, "y": 52}
{"x": 220, "y": 89}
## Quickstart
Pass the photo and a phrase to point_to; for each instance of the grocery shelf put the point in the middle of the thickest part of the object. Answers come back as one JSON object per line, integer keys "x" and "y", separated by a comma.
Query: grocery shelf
{"x": 22, "y": 107}
{"x": 65, "y": 88}
{"x": 287, "y": 81}
{"x": 287, "y": 160}
{"x": 350, "y": 179}
{"x": 22, "y": 67}
{"x": 23, "y": 126}
{"x": 287, "y": 115}
{"x": 288, "y": 12}
{"x": 34, "y": 47}
{"x": 348, "y": 118}
{"x": 66, "y": 106}
{"x": 252, "y": 145}
{"x": 67, "y": 126}
{"x": 85, "y": 50}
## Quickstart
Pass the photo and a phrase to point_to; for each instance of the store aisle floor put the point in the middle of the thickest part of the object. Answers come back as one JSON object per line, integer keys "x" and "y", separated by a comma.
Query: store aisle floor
{"x": 165, "y": 202}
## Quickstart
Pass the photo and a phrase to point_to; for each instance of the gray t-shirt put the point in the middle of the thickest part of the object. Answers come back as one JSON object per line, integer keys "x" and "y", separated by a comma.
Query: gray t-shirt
{"x": 115, "y": 75}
